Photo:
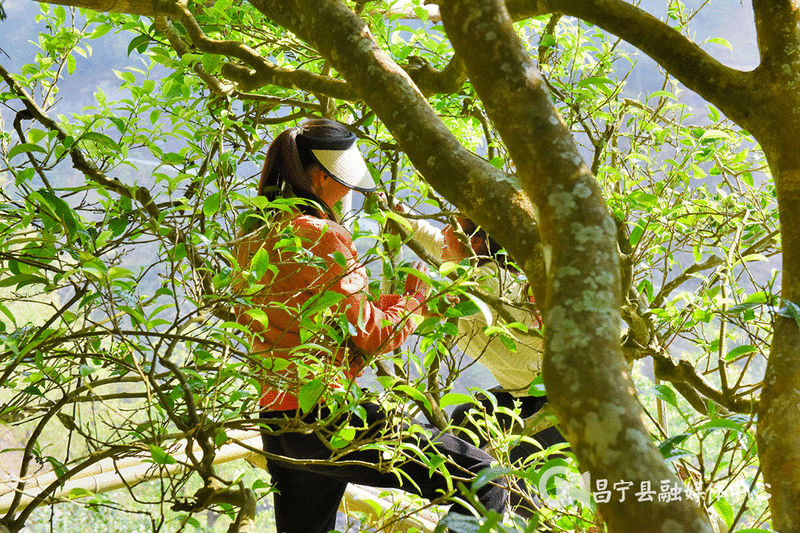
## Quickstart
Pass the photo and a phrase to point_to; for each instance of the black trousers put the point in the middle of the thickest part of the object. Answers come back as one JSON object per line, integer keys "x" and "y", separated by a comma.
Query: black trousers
{"x": 309, "y": 495}
{"x": 529, "y": 405}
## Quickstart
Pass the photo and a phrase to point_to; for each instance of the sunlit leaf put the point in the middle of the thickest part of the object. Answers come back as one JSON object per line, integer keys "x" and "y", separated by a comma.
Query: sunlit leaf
{"x": 24, "y": 148}
{"x": 161, "y": 457}
{"x": 309, "y": 394}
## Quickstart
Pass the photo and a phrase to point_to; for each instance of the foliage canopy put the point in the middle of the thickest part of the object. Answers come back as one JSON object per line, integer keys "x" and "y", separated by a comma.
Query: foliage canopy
{"x": 117, "y": 278}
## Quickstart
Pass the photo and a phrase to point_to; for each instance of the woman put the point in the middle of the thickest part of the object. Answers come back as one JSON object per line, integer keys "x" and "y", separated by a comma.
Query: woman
{"x": 305, "y": 261}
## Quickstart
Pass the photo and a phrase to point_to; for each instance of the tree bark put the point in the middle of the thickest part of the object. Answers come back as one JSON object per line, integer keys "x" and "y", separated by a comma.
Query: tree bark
{"x": 587, "y": 382}
{"x": 766, "y": 102}
{"x": 777, "y": 128}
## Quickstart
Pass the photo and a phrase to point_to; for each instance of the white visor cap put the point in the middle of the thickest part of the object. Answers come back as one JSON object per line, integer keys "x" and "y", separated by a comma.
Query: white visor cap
{"x": 347, "y": 167}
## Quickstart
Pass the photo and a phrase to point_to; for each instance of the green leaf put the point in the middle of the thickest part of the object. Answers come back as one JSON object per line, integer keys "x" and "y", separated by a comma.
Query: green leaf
{"x": 160, "y": 457}
{"x": 790, "y": 310}
{"x": 455, "y": 398}
{"x": 595, "y": 80}
{"x": 260, "y": 263}
{"x": 461, "y": 523}
{"x": 669, "y": 448}
{"x": 118, "y": 226}
{"x": 24, "y": 175}
{"x": 62, "y": 211}
{"x": 721, "y": 423}
{"x": 101, "y": 139}
{"x": 428, "y": 325}
{"x": 220, "y": 438}
{"x": 139, "y": 44}
{"x": 723, "y": 42}
{"x": 61, "y": 14}
{"x": 665, "y": 392}
{"x": 725, "y": 511}
{"x": 399, "y": 219}
{"x": 125, "y": 76}
{"x": 508, "y": 343}
{"x": 662, "y": 94}
{"x": 321, "y": 302}
{"x": 637, "y": 231}
{"x": 35, "y": 135}
{"x": 414, "y": 394}
{"x": 447, "y": 267}
{"x": 498, "y": 162}
{"x": 537, "y": 387}
{"x": 714, "y": 134}
{"x": 23, "y": 280}
{"x": 343, "y": 437}
{"x": 6, "y": 311}
{"x": 421, "y": 13}
{"x": 740, "y": 350}
{"x": 100, "y": 30}
{"x": 754, "y": 300}
{"x": 211, "y": 205}
{"x": 119, "y": 123}
{"x": 210, "y": 62}
{"x": 484, "y": 308}
{"x": 79, "y": 492}
{"x": 24, "y": 148}
{"x": 548, "y": 40}
{"x": 309, "y": 394}
{"x": 70, "y": 64}
{"x": 259, "y": 315}
{"x": 487, "y": 475}
{"x": 759, "y": 297}
{"x": 644, "y": 199}
{"x": 236, "y": 326}
{"x": 119, "y": 273}
{"x": 339, "y": 259}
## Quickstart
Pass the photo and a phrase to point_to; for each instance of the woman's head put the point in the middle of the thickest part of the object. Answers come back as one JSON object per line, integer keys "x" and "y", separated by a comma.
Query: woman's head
{"x": 298, "y": 154}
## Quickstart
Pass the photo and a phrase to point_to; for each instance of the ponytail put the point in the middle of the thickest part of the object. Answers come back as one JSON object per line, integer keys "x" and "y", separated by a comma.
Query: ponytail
{"x": 285, "y": 174}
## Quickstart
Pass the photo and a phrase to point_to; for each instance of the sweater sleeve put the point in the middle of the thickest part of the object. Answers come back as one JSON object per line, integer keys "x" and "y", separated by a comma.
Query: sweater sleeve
{"x": 379, "y": 326}
{"x": 428, "y": 236}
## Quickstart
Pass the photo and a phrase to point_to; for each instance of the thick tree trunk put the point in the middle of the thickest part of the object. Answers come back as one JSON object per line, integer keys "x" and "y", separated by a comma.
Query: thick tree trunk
{"x": 779, "y": 414}
{"x": 586, "y": 379}
{"x": 779, "y": 420}
{"x": 776, "y": 125}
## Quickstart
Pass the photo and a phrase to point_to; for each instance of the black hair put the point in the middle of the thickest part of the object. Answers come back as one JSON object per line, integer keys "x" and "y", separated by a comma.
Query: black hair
{"x": 488, "y": 248}
{"x": 285, "y": 172}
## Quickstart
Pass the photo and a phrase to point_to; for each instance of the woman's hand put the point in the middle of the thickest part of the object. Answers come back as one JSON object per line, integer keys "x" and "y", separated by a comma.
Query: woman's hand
{"x": 416, "y": 286}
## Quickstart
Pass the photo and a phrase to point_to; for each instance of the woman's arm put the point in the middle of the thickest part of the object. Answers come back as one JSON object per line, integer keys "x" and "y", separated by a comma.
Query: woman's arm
{"x": 382, "y": 325}
{"x": 428, "y": 236}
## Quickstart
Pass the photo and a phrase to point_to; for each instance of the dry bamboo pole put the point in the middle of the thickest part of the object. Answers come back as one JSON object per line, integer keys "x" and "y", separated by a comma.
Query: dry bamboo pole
{"x": 109, "y": 475}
